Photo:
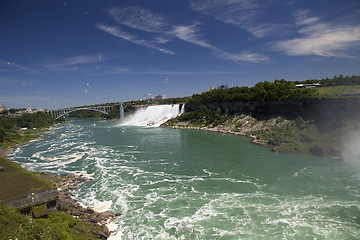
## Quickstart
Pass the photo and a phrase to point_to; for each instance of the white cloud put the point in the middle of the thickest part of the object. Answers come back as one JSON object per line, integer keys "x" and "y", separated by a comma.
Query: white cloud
{"x": 145, "y": 20}
{"x": 189, "y": 34}
{"x": 12, "y": 66}
{"x": 162, "y": 39}
{"x": 138, "y": 18}
{"x": 73, "y": 62}
{"x": 301, "y": 17}
{"x": 244, "y": 14}
{"x": 247, "y": 57}
{"x": 115, "y": 31}
{"x": 117, "y": 70}
{"x": 84, "y": 59}
{"x": 321, "y": 39}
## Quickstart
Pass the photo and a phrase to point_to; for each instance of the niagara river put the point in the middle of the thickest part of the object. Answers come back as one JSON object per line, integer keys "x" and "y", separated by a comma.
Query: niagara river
{"x": 183, "y": 184}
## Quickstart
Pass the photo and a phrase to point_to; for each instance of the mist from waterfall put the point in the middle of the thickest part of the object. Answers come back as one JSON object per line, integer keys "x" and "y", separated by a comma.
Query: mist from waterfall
{"x": 153, "y": 116}
{"x": 351, "y": 147}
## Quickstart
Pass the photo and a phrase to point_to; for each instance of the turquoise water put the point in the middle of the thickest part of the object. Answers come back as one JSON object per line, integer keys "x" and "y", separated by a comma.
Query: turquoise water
{"x": 170, "y": 183}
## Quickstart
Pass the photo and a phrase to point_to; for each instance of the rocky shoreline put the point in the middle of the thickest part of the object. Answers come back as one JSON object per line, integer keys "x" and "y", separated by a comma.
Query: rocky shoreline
{"x": 64, "y": 184}
{"x": 279, "y": 134}
{"x": 220, "y": 130}
{"x": 6, "y": 151}
{"x": 64, "y": 203}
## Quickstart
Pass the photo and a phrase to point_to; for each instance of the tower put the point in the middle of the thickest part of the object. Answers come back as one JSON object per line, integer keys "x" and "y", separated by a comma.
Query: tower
{"x": 29, "y": 109}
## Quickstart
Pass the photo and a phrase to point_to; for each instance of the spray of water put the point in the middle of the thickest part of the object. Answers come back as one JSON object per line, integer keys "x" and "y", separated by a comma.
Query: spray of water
{"x": 351, "y": 148}
{"x": 153, "y": 116}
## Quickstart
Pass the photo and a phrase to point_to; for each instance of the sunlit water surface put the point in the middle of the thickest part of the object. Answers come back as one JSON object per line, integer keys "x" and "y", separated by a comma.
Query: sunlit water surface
{"x": 170, "y": 184}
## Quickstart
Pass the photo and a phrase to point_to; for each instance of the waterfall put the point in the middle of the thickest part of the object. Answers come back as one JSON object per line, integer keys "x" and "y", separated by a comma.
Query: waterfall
{"x": 153, "y": 116}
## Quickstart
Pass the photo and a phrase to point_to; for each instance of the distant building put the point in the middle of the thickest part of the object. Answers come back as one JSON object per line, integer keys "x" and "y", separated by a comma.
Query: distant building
{"x": 211, "y": 88}
{"x": 29, "y": 110}
{"x": 2, "y": 107}
{"x": 159, "y": 97}
{"x": 310, "y": 85}
{"x": 222, "y": 86}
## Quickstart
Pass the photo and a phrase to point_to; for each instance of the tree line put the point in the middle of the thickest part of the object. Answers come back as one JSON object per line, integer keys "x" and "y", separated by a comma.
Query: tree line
{"x": 9, "y": 126}
{"x": 279, "y": 90}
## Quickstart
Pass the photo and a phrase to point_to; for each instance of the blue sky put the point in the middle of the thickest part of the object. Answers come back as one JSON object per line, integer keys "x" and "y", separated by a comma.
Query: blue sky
{"x": 56, "y": 54}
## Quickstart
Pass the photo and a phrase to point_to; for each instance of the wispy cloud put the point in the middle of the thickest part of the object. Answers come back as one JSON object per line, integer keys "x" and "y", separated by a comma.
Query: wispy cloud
{"x": 244, "y": 14}
{"x": 117, "y": 70}
{"x": 73, "y": 62}
{"x": 70, "y": 61}
{"x": 146, "y": 20}
{"x": 167, "y": 72}
{"x": 301, "y": 17}
{"x": 189, "y": 34}
{"x": 117, "y": 32}
{"x": 246, "y": 56}
{"x": 6, "y": 66}
{"x": 318, "y": 38}
{"x": 139, "y": 18}
{"x": 9, "y": 81}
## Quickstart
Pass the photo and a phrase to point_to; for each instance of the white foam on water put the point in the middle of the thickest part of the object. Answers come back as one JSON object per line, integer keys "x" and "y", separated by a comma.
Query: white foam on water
{"x": 117, "y": 236}
{"x": 103, "y": 206}
{"x": 112, "y": 226}
{"x": 85, "y": 175}
{"x": 158, "y": 204}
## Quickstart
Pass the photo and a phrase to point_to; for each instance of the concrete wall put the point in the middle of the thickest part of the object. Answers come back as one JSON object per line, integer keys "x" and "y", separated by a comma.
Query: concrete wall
{"x": 325, "y": 112}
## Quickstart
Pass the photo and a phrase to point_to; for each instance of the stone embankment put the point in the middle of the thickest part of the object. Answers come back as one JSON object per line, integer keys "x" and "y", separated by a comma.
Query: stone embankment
{"x": 68, "y": 205}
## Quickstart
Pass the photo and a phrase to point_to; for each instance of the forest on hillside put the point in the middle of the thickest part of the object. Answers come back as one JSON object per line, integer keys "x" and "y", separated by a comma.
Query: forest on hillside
{"x": 9, "y": 126}
{"x": 279, "y": 90}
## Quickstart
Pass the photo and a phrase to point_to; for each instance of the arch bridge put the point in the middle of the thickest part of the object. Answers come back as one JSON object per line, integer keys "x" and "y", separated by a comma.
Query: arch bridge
{"x": 58, "y": 113}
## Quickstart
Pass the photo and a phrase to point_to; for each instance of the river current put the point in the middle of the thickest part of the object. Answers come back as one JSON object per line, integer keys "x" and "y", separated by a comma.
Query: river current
{"x": 179, "y": 184}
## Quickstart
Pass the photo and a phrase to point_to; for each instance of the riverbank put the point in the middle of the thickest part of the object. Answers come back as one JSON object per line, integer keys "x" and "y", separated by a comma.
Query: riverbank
{"x": 5, "y": 151}
{"x": 93, "y": 223}
{"x": 95, "y": 220}
{"x": 18, "y": 182}
{"x": 280, "y": 134}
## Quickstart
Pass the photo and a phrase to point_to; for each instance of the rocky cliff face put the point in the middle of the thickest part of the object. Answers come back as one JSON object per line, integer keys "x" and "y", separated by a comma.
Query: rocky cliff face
{"x": 326, "y": 113}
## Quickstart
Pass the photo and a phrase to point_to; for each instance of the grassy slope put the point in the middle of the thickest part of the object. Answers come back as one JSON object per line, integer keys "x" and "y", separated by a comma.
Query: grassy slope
{"x": 16, "y": 181}
{"x": 337, "y": 91}
{"x": 58, "y": 225}
{"x": 19, "y": 137}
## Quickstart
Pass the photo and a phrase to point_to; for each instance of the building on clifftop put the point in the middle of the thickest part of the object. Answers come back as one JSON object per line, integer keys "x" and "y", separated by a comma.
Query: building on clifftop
{"x": 2, "y": 107}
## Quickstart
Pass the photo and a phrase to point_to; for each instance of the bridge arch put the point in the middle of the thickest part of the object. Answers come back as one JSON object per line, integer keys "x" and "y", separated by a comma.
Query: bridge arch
{"x": 81, "y": 109}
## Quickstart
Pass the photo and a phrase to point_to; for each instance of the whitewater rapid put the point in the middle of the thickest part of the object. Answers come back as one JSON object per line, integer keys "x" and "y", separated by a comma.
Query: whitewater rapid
{"x": 153, "y": 116}
{"x": 170, "y": 183}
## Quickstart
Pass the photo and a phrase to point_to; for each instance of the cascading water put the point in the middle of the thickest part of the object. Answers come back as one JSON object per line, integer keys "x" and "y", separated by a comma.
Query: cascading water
{"x": 153, "y": 116}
